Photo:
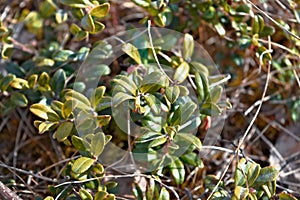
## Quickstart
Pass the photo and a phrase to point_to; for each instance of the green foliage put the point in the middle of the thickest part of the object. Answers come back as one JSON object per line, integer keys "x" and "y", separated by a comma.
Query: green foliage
{"x": 167, "y": 103}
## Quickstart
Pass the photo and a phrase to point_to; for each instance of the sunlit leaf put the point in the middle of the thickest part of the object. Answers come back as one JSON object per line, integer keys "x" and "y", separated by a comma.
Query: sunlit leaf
{"x": 267, "y": 174}
{"x": 82, "y": 164}
{"x": 240, "y": 193}
{"x": 191, "y": 139}
{"x": 63, "y": 131}
{"x": 97, "y": 144}
{"x": 164, "y": 194}
{"x": 100, "y": 11}
{"x": 172, "y": 93}
{"x": 44, "y": 112}
{"x": 87, "y": 23}
{"x": 181, "y": 72}
{"x": 188, "y": 46}
{"x": 85, "y": 195}
{"x": 177, "y": 171}
{"x": 80, "y": 144}
{"x": 133, "y": 52}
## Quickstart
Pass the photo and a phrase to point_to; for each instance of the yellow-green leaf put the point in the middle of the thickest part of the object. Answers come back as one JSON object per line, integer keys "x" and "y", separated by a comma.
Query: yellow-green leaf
{"x": 181, "y": 72}
{"x": 79, "y": 143}
{"x": 63, "y": 131}
{"x": 188, "y": 46}
{"x": 133, "y": 52}
{"x": 19, "y": 99}
{"x": 172, "y": 93}
{"x": 85, "y": 195}
{"x": 240, "y": 193}
{"x": 87, "y": 23}
{"x": 44, "y": 112}
{"x": 74, "y": 29}
{"x": 97, "y": 144}
{"x": 100, "y": 11}
{"x": 82, "y": 164}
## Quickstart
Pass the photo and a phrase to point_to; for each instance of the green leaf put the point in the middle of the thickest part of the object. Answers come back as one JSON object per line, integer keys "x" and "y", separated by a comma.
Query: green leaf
{"x": 32, "y": 80}
{"x": 184, "y": 112}
{"x": 182, "y": 72}
{"x": 85, "y": 195}
{"x": 160, "y": 20}
{"x": 137, "y": 192}
{"x": 44, "y": 112}
{"x": 190, "y": 138}
{"x": 81, "y": 35}
{"x": 172, "y": 93}
{"x": 100, "y": 11}
{"x": 96, "y": 96}
{"x": 80, "y": 144}
{"x": 142, "y": 3}
{"x": 153, "y": 82}
{"x": 75, "y": 3}
{"x": 58, "y": 81}
{"x": 45, "y": 126}
{"x": 215, "y": 94}
{"x": 82, "y": 164}
{"x": 19, "y": 83}
{"x": 98, "y": 169}
{"x": 240, "y": 193}
{"x": 192, "y": 159}
{"x": 201, "y": 82}
{"x": 111, "y": 184}
{"x": 63, "y": 131}
{"x": 164, "y": 194}
{"x": 153, "y": 103}
{"x": 98, "y": 27}
{"x": 120, "y": 97}
{"x": 257, "y": 25}
{"x": 241, "y": 172}
{"x": 188, "y": 46}
{"x": 177, "y": 171}
{"x": 74, "y": 29}
{"x": 126, "y": 83}
{"x": 150, "y": 189}
{"x": 68, "y": 107}
{"x": 82, "y": 101}
{"x": 133, "y": 52}
{"x": 183, "y": 90}
{"x": 43, "y": 79}
{"x": 19, "y": 99}
{"x": 285, "y": 196}
{"x": 63, "y": 55}
{"x": 253, "y": 173}
{"x": 87, "y": 23}
{"x": 47, "y": 8}
{"x": 266, "y": 175}
{"x": 267, "y": 31}
{"x": 6, "y": 81}
{"x": 157, "y": 142}
{"x": 97, "y": 144}
{"x": 209, "y": 13}
{"x": 200, "y": 68}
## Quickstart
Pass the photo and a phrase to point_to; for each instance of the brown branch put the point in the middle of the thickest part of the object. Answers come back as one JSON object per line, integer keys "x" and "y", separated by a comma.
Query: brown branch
{"x": 6, "y": 193}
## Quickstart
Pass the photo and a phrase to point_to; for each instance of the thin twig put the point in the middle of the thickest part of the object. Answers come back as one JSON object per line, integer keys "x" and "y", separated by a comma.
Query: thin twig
{"x": 247, "y": 130}
{"x": 273, "y": 20}
{"x": 154, "y": 53}
{"x": 27, "y": 172}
